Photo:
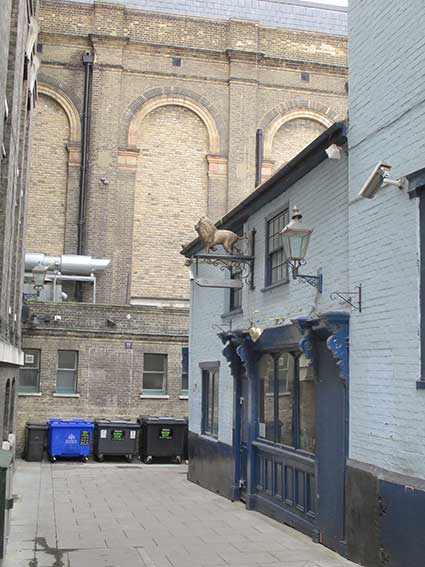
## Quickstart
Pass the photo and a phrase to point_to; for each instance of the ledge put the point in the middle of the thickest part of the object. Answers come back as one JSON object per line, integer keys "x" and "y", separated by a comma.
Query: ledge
{"x": 237, "y": 311}
{"x": 275, "y": 285}
{"x": 183, "y": 397}
{"x": 58, "y": 395}
{"x": 31, "y": 394}
{"x": 154, "y": 397}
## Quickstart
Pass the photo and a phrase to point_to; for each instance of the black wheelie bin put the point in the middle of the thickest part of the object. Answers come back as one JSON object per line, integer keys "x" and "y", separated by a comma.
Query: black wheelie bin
{"x": 162, "y": 437}
{"x": 115, "y": 437}
{"x": 35, "y": 441}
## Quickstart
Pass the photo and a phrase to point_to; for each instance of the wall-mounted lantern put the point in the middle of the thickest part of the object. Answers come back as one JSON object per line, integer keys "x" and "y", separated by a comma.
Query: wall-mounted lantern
{"x": 295, "y": 240}
{"x": 39, "y": 277}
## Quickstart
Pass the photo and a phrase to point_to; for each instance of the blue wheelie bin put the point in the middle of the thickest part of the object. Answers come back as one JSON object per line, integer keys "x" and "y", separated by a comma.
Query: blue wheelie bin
{"x": 70, "y": 438}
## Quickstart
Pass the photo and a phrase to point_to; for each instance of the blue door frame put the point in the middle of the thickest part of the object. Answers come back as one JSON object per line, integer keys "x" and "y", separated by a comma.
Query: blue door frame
{"x": 282, "y": 482}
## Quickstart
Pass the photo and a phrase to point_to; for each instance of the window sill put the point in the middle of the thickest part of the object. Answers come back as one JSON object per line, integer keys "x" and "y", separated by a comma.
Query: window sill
{"x": 33, "y": 394}
{"x": 232, "y": 313}
{"x": 213, "y": 438}
{"x": 183, "y": 397}
{"x": 59, "y": 395}
{"x": 154, "y": 397}
{"x": 275, "y": 285}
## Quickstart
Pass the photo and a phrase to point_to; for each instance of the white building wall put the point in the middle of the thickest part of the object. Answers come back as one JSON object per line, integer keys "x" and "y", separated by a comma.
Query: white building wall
{"x": 322, "y": 198}
{"x": 387, "y": 122}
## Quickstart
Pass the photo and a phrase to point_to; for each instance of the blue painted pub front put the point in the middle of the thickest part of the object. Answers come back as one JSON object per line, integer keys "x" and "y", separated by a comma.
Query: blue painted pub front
{"x": 291, "y": 423}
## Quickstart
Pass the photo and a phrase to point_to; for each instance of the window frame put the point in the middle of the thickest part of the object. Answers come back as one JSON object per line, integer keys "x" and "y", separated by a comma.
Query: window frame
{"x": 235, "y": 292}
{"x": 296, "y": 402}
{"x": 64, "y": 392}
{"x": 21, "y": 390}
{"x": 210, "y": 370}
{"x": 268, "y": 255}
{"x": 185, "y": 371}
{"x": 155, "y": 391}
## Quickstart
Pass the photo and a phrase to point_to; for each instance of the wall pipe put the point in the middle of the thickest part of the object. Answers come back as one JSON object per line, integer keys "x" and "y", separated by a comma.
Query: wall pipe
{"x": 258, "y": 156}
{"x": 88, "y": 59}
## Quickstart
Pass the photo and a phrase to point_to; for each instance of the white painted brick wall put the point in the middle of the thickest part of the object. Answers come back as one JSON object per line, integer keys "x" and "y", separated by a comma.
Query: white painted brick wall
{"x": 386, "y": 90}
{"x": 322, "y": 197}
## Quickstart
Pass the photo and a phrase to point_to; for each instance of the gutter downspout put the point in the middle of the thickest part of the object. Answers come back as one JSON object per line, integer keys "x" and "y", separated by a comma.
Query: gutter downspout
{"x": 88, "y": 59}
{"x": 258, "y": 156}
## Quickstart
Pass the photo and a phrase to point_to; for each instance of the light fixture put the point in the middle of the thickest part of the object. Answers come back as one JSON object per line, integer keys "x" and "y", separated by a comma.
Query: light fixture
{"x": 254, "y": 332}
{"x": 333, "y": 152}
{"x": 38, "y": 277}
{"x": 295, "y": 240}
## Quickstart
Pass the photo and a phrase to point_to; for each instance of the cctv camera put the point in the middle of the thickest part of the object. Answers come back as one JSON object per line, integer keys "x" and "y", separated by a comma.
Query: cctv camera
{"x": 376, "y": 178}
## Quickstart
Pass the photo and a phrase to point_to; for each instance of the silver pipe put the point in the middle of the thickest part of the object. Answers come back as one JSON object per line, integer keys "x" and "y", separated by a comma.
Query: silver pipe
{"x": 72, "y": 264}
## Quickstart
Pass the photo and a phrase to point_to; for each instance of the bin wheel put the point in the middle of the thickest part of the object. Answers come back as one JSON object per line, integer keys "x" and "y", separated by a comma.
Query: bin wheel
{"x": 100, "y": 458}
{"x": 129, "y": 458}
{"x": 52, "y": 459}
{"x": 85, "y": 459}
{"x": 178, "y": 460}
{"x": 148, "y": 460}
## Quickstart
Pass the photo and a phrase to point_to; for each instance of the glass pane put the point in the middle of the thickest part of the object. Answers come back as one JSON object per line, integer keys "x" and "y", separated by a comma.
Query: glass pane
{"x": 28, "y": 380}
{"x": 185, "y": 382}
{"x": 65, "y": 382}
{"x": 285, "y": 432}
{"x": 154, "y": 362}
{"x": 215, "y": 402}
{"x": 282, "y": 371}
{"x": 31, "y": 358}
{"x": 307, "y": 408}
{"x": 153, "y": 381}
{"x": 266, "y": 399}
{"x": 67, "y": 359}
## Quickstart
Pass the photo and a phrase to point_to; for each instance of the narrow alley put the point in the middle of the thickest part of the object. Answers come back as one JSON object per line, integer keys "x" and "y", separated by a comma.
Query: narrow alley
{"x": 118, "y": 515}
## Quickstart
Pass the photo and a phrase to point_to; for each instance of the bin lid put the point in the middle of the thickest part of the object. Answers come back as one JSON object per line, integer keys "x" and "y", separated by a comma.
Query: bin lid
{"x": 161, "y": 419}
{"x": 71, "y": 423}
{"x": 36, "y": 425}
{"x": 115, "y": 423}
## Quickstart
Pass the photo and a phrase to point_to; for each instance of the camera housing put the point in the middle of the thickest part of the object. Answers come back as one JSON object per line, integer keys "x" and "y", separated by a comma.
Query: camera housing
{"x": 375, "y": 180}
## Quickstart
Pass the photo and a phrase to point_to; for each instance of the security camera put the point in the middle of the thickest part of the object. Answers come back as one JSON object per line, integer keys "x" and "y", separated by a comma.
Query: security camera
{"x": 333, "y": 152}
{"x": 375, "y": 180}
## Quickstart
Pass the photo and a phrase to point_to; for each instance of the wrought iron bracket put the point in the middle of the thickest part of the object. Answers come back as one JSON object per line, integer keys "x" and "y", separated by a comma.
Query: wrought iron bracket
{"x": 349, "y": 297}
{"x": 314, "y": 281}
{"x": 241, "y": 264}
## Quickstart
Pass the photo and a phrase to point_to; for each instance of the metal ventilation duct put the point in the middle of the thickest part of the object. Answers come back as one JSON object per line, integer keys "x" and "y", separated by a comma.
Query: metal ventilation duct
{"x": 71, "y": 264}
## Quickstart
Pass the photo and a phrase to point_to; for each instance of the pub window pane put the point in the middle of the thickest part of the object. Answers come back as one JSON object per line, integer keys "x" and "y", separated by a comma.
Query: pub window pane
{"x": 154, "y": 373}
{"x": 277, "y": 269}
{"x": 66, "y": 377}
{"x": 286, "y": 375}
{"x": 266, "y": 397}
{"x": 210, "y": 385}
{"x": 307, "y": 407}
{"x": 185, "y": 369}
{"x": 29, "y": 373}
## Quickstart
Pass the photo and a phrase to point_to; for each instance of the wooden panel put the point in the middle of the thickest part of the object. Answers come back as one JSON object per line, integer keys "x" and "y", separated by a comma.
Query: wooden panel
{"x": 300, "y": 490}
{"x": 289, "y": 485}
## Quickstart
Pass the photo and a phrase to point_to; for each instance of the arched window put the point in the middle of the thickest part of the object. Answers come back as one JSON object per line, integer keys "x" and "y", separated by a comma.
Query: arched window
{"x": 6, "y": 412}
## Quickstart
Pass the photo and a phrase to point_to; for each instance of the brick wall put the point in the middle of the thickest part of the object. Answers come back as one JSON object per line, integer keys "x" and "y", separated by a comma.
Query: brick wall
{"x": 387, "y": 412}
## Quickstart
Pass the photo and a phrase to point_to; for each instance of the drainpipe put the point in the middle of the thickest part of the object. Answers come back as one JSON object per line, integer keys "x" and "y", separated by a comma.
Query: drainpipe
{"x": 258, "y": 156}
{"x": 88, "y": 59}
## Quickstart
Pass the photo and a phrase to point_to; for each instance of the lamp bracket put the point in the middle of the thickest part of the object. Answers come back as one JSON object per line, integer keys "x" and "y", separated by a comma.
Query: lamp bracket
{"x": 349, "y": 297}
{"x": 314, "y": 281}
{"x": 242, "y": 264}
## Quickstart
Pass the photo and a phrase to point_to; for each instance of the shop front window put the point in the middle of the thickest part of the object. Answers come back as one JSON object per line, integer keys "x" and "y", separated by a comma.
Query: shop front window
{"x": 286, "y": 401}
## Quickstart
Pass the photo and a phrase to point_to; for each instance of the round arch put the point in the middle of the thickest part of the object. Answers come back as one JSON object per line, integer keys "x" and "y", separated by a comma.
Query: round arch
{"x": 176, "y": 100}
{"x": 279, "y": 121}
{"x": 68, "y": 106}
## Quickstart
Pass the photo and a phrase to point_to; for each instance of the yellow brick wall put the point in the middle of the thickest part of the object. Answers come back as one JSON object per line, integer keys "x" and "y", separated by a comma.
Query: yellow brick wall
{"x": 292, "y": 137}
{"x": 170, "y": 196}
{"x": 48, "y": 180}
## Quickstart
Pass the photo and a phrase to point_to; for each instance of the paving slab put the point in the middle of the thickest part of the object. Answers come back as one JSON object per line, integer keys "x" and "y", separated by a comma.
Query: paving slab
{"x": 110, "y": 515}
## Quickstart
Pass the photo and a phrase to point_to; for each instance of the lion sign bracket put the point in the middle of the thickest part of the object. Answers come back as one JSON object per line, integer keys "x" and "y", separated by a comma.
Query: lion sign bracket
{"x": 239, "y": 265}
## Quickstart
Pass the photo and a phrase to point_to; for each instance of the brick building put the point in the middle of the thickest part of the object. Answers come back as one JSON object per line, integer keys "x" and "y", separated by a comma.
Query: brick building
{"x": 177, "y": 92}
{"x": 18, "y": 71}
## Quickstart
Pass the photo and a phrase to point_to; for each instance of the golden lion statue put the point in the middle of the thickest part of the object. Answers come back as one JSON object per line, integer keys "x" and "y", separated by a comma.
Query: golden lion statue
{"x": 211, "y": 236}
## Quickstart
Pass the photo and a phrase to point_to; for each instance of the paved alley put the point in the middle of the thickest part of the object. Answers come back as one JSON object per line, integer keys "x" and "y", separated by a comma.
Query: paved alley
{"x": 119, "y": 515}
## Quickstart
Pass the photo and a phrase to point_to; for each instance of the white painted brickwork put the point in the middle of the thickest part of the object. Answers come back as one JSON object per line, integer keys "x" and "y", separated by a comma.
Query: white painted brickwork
{"x": 322, "y": 197}
{"x": 387, "y": 122}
